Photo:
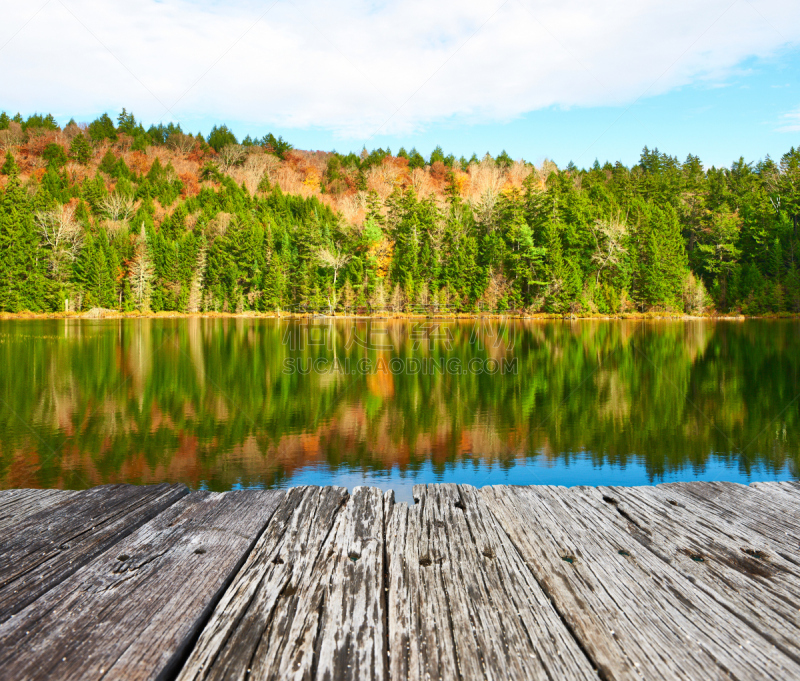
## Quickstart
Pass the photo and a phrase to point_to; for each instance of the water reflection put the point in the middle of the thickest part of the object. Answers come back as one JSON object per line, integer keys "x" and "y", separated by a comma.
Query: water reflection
{"x": 223, "y": 403}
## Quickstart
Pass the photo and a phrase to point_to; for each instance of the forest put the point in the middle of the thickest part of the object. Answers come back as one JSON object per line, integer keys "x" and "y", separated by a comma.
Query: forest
{"x": 111, "y": 215}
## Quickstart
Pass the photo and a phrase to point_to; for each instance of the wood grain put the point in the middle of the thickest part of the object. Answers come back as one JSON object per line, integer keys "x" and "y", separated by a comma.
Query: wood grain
{"x": 731, "y": 563}
{"x": 677, "y": 581}
{"x": 462, "y": 603}
{"x": 766, "y": 511}
{"x": 134, "y": 611}
{"x": 46, "y": 546}
{"x": 18, "y": 504}
{"x": 635, "y": 614}
{"x": 309, "y": 601}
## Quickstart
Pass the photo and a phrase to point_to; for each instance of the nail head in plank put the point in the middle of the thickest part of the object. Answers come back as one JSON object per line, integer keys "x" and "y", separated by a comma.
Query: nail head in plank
{"x": 46, "y": 547}
{"x": 308, "y": 603}
{"x": 634, "y": 615}
{"x": 462, "y": 603}
{"x": 133, "y": 611}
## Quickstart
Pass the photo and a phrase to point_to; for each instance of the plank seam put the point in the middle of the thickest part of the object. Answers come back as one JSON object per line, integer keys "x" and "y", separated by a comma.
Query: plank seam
{"x": 438, "y": 566}
{"x": 321, "y": 607}
{"x": 174, "y": 666}
{"x": 385, "y": 583}
{"x": 124, "y": 534}
{"x": 600, "y": 673}
{"x": 714, "y": 594}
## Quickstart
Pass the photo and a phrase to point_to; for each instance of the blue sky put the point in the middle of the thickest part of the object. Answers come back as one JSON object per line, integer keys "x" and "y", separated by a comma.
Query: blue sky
{"x": 743, "y": 116}
{"x": 559, "y": 79}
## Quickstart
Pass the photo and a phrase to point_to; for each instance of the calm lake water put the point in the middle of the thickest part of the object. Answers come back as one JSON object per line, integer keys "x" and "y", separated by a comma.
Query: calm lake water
{"x": 229, "y": 403}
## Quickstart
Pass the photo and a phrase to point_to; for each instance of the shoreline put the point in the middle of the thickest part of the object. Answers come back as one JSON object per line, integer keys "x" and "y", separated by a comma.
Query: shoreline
{"x": 96, "y": 314}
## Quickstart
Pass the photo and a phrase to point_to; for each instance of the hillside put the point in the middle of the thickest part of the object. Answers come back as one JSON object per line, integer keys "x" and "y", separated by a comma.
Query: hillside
{"x": 111, "y": 215}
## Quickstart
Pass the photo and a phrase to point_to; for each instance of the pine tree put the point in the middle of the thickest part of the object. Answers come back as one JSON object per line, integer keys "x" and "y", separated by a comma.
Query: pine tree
{"x": 104, "y": 284}
{"x": 662, "y": 264}
{"x": 22, "y": 282}
{"x": 348, "y": 296}
{"x": 793, "y": 289}
{"x": 80, "y": 149}
{"x": 558, "y": 272}
{"x": 102, "y": 128}
{"x": 9, "y": 165}
{"x": 775, "y": 267}
{"x": 55, "y": 155}
{"x": 109, "y": 163}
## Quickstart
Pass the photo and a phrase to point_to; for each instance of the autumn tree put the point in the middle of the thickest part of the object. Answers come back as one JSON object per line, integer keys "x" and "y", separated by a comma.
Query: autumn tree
{"x": 140, "y": 273}
{"x": 62, "y": 237}
{"x": 335, "y": 260}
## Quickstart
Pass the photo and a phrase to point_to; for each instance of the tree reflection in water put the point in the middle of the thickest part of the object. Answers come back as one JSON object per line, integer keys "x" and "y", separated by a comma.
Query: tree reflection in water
{"x": 255, "y": 402}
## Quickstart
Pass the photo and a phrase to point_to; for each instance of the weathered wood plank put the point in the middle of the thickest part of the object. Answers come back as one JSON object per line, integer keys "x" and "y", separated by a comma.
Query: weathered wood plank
{"x": 462, "y": 604}
{"x": 788, "y": 490}
{"x": 47, "y": 546}
{"x": 730, "y": 563}
{"x": 774, "y": 516}
{"x": 18, "y": 504}
{"x": 133, "y": 612}
{"x": 635, "y": 615}
{"x": 309, "y": 601}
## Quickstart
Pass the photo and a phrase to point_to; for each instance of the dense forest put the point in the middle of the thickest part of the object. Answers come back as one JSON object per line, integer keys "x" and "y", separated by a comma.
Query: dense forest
{"x": 111, "y": 215}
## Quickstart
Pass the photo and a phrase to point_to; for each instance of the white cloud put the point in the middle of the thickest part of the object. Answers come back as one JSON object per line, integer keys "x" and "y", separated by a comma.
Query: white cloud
{"x": 790, "y": 122}
{"x": 357, "y": 67}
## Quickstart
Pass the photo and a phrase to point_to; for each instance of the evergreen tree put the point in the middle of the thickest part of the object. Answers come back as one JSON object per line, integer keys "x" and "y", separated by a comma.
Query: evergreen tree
{"x": 663, "y": 265}
{"x": 80, "y": 149}
{"x": 9, "y": 166}
{"x": 102, "y": 129}
{"x": 22, "y": 283}
{"x": 220, "y": 137}
{"x": 55, "y": 155}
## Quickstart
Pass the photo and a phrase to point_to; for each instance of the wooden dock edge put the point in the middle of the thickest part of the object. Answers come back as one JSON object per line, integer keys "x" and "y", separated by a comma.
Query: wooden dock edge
{"x": 673, "y": 581}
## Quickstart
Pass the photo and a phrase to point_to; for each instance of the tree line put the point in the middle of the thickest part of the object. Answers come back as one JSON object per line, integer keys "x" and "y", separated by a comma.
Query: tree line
{"x": 81, "y": 227}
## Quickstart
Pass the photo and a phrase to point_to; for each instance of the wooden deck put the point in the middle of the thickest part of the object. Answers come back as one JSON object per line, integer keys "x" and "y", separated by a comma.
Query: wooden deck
{"x": 678, "y": 581}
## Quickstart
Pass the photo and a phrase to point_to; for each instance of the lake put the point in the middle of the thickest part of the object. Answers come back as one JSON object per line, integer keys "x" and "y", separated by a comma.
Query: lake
{"x": 229, "y": 403}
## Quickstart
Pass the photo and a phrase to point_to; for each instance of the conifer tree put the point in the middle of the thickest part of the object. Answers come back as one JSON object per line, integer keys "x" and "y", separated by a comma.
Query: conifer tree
{"x": 80, "y": 149}
{"x": 662, "y": 263}
{"x": 9, "y": 165}
{"x": 21, "y": 271}
{"x": 102, "y": 128}
{"x": 348, "y": 296}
